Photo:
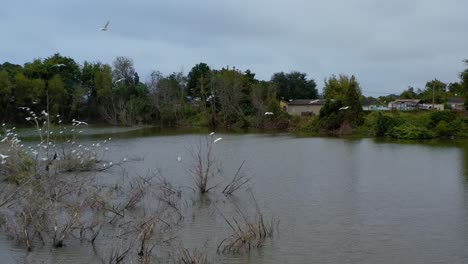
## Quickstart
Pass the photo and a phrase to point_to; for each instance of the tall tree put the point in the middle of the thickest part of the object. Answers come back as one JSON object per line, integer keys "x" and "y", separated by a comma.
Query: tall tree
{"x": 57, "y": 95}
{"x": 352, "y": 100}
{"x": 408, "y": 93}
{"x": 5, "y": 94}
{"x": 294, "y": 85}
{"x": 337, "y": 87}
{"x": 436, "y": 90}
{"x": 198, "y": 79}
{"x": 464, "y": 83}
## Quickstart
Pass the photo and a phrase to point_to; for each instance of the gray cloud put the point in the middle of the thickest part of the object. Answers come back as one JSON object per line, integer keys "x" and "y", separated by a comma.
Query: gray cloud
{"x": 388, "y": 45}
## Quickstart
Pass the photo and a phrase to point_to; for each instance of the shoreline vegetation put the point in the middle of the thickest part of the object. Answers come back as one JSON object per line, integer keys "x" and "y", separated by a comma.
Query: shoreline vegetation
{"x": 226, "y": 99}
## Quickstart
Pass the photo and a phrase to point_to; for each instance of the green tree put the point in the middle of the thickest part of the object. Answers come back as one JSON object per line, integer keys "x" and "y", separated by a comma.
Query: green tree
{"x": 294, "y": 85}
{"x": 5, "y": 94}
{"x": 354, "y": 113}
{"x": 337, "y": 87}
{"x": 464, "y": 83}
{"x": 57, "y": 95}
{"x": 198, "y": 79}
{"x": 436, "y": 89}
{"x": 409, "y": 93}
{"x": 22, "y": 90}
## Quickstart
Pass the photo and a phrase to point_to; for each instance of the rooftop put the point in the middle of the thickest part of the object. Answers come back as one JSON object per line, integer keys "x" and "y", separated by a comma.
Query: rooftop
{"x": 306, "y": 102}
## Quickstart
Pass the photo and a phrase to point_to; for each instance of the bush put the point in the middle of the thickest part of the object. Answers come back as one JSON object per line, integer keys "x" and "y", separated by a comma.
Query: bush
{"x": 410, "y": 131}
{"x": 384, "y": 124}
{"x": 438, "y": 116}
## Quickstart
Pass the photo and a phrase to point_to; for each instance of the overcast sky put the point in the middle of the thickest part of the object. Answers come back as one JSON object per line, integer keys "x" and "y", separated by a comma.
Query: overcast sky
{"x": 388, "y": 45}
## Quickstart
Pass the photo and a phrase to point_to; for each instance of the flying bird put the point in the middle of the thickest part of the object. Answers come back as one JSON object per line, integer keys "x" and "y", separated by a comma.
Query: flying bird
{"x": 345, "y": 107}
{"x": 268, "y": 113}
{"x": 179, "y": 158}
{"x": 3, "y": 156}
{"x": 77, "y": 123}
{"x": 212, "y": 133}
{"x": 119, "y": 80}
{"x": 218, "y": 139}
{"x": 59, "y": 65}
{"x": 105, "y": 26}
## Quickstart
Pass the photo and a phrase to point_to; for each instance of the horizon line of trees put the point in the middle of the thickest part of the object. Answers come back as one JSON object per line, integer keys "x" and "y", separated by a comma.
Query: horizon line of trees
{"x": 115, "y": 94}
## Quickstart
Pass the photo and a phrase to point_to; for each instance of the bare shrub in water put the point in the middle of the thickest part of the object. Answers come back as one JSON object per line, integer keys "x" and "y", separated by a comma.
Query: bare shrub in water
{"x": 186, "y": 256}
{"x": 204, "y": 165}
{"x": 247, "y": 231}
{"x": 237, "y": 182}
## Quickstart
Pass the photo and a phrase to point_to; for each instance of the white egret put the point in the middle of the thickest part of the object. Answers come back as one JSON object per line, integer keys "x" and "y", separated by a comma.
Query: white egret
{"x": 345, "y": 107}
{"x": 60, "y": 65}
{"x": 105, "y": 26}
{"x": 3, "y": 156}
{"x": 268, "y": 113}
{"x": 212, "y": 133}
{"x": 77, "y": 123}
{"x": 218, "y": 139}
{"x": 119, "y": 80}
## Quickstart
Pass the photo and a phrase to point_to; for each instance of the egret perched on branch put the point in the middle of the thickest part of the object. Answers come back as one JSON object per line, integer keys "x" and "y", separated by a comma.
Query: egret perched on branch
{"x": 105, "y": 26}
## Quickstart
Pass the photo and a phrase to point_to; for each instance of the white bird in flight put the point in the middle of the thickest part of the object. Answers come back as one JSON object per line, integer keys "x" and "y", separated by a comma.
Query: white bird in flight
{"x": 105, "y": 26}
{"x": 77, "y": 123}
{"x": 60, "y": 65}
{"x": 345, "y": 107}
{"x": 268, "y": 113}
{"x": 212, "y": 133}
{"x": 119, "y": 80}
{"x": 3, "y": 156}
{"x": 218, "y": 139}
{"x": 179, "y": 158}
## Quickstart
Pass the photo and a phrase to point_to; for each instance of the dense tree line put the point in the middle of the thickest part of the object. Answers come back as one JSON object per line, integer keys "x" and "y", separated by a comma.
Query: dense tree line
{"x": 115, "y": 93}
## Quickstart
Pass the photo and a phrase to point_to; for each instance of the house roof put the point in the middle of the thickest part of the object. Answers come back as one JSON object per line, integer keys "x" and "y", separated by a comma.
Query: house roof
{"x": 306, "y": 102}
{"x": 456, "y": 100}
{"x": 403, "y": 101}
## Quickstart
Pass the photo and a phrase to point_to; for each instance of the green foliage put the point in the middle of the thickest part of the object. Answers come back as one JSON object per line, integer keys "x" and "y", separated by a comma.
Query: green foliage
{"x": 294, "y": 85}
{"x": 409, "y": 94}
{"x": 385, "y": 123}
{"x": 330, "y": 117}
{"x": 464, "y": 83}
{"x": 198, "y": 80}
{"x": 352, "y": 100}
{"x": 438, "y": 116}
{"x": 336, "y": 87}
{"x": 410, "y": 131}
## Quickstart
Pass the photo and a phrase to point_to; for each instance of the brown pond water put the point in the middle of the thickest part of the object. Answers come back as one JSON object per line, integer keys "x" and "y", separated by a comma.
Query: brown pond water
{"x": 338, "y": 200}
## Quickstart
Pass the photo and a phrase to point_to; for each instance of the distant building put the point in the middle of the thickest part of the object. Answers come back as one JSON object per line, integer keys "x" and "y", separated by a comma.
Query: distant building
{"x": 456, "y": 103}
{"x": 375, "y": 108}
{"x": 439, "y": 107}
{"x": 404, "y": 104}
{"x": 413, "y": 104}
{"x": 303, "y": 107}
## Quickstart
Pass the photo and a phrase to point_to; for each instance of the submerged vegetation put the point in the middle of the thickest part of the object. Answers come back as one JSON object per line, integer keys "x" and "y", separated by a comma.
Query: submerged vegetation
{"x": 61, "y": 190}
